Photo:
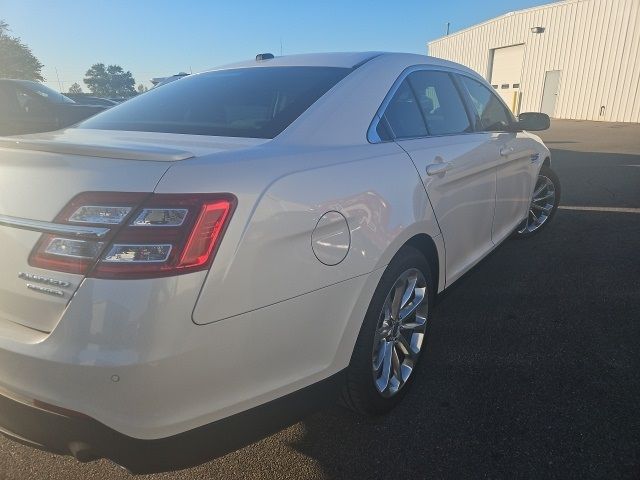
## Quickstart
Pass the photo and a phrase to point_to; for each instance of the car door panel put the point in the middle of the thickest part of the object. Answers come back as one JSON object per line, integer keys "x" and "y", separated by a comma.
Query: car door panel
{"x": 457, "y": 165}
{"x": 513, "y": 171}
{"x": 514, "y": 184}
{"x": 462, "y": 197}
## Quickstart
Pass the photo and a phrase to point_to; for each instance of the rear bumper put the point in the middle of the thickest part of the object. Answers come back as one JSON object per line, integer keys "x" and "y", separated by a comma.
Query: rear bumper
{"x": 127, "y": 354}
{"x": 87, "y": 439}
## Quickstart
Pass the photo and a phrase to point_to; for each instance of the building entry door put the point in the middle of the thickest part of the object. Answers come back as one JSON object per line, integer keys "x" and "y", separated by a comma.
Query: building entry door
{"x": 550, "y": 92}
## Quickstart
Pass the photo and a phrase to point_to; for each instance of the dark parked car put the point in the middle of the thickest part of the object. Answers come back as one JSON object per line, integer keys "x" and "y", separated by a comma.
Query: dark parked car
{"x": 82, "y": 99}
{"x": 30, "y": 107}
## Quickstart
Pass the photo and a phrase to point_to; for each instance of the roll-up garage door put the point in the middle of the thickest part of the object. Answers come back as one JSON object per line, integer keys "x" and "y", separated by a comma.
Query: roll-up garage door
{"x": 505, "y": 74}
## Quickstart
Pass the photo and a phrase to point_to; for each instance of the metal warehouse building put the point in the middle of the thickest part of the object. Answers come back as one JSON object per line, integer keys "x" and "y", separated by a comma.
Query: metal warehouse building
{"x": 574, "y": 59}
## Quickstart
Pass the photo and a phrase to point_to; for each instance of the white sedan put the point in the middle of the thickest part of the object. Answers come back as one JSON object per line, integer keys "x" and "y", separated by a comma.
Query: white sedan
{"x": 202, "y": 264}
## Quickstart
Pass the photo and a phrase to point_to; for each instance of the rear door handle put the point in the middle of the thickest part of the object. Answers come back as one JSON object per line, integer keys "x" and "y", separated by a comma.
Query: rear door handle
{"x": 506, "y": 151}
{"x": 438, "y": 168}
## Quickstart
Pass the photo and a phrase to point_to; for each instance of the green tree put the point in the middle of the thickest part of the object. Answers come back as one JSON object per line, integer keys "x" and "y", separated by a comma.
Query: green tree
{"x": 16, "y": 59}
{"x": 111, "y": 81}
{"x": 141, "y": 88}
{"x": 75, "y": 88}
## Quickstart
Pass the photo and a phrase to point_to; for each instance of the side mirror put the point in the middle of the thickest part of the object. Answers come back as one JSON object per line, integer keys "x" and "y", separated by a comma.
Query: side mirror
{"x": 533, "y": 121}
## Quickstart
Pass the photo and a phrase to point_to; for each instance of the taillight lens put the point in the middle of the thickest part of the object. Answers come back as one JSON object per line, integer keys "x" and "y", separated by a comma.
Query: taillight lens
{"x": 151, "y": 235}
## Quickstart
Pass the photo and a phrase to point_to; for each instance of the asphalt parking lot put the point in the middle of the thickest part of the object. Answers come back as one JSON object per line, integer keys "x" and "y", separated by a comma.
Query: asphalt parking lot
{"x": 533, "y": 361}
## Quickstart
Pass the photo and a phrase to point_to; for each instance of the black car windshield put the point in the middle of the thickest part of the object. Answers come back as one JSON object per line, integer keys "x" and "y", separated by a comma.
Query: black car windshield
{"x": 246, "y": 102}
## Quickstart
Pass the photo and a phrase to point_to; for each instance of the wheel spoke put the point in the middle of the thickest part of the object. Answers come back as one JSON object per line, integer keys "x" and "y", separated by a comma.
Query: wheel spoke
{"x": 384, "y": 324}
{"x": 395, "y": 362}
{"x": 385, "y": 376}
{"x": 405, "y": 346}
{"x": 405, "y": 370}
{"x": 396, "y": 303}
{"x": 545, "y": 197}
{"x": 535, "y": 218}
{"x": 408, "y": 292}
{"x": 540, "y": 189}
{"x": 379, "y": 356}
{"x": 418, "y": 322}
{"x": 413, "y": 306}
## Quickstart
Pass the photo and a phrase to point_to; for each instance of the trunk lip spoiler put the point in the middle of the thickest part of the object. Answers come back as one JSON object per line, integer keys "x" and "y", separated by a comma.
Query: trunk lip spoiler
{"x": 74, "y": 231}
{"x": 124, "y": 152}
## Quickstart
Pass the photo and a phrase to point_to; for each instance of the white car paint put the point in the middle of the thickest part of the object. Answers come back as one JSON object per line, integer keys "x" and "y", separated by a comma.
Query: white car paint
{"x": 269, "y": 317}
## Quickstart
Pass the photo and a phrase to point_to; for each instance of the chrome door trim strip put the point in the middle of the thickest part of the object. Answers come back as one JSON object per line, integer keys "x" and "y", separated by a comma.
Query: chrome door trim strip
{"x": 73, "y": 231}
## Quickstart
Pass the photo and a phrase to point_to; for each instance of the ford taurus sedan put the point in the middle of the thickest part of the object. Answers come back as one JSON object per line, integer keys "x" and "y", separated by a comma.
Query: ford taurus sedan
{"x": 202, "y": 264}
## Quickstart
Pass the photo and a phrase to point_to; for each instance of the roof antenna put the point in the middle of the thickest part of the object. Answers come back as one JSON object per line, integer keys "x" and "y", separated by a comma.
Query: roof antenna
{"x": 58, "y": 77}
{"x": 448, "y": 24}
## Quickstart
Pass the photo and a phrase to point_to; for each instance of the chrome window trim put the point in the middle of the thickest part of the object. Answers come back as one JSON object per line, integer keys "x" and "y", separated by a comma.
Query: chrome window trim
{"x": 372, "y": 134}
{"x": 73, "y": 231}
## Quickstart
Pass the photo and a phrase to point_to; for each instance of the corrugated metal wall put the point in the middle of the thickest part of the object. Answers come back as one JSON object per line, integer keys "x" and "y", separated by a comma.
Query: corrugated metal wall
{"x": 595, "y": 44}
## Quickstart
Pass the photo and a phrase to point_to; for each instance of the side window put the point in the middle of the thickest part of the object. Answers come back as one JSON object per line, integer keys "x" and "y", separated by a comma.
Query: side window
{"x": 441, "y": 105}
{"x": 403, "y": 114}
{"x": 30, "y": 103}
{"x": 383, "y": 131}
{"x": 492, "y": 114}
{"x": 9, "y": 100}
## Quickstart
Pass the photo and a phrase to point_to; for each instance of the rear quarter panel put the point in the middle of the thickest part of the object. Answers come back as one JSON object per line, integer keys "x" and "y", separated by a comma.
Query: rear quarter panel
{"x": 266, "y": 255}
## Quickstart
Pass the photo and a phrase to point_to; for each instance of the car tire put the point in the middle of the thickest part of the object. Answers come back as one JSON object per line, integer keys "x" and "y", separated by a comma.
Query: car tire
{"x": 388, "y": 346}
{"x": 544, "y": 204}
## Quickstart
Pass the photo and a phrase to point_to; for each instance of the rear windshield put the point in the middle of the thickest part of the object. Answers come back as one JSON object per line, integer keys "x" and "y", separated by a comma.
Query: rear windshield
{"x": 247, "y": 102}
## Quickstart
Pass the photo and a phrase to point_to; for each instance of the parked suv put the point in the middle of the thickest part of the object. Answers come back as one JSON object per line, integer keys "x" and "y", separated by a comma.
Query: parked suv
{"x": 200, "y": 265}
{"x": 30, "y": 107}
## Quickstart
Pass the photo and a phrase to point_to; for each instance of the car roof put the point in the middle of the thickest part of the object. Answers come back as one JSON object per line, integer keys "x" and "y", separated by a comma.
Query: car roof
{"x": 340, "y": 59}
{"x": 336, "y": 59}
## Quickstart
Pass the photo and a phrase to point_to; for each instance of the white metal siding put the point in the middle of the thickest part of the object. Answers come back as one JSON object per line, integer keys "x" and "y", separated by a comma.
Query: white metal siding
{"x": 594, "y": 43}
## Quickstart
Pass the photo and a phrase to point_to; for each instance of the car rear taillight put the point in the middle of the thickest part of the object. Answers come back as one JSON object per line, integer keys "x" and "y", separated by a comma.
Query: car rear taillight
{"x": 149, "y": 235}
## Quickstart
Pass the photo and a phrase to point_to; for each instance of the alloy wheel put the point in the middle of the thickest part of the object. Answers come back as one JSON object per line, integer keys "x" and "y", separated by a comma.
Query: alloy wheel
{"x": 541, "y": 207}
{"x": 400, "y": 332}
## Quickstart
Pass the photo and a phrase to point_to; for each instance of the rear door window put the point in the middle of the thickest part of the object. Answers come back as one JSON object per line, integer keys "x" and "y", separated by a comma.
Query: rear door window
{"x": 443, "y": 109}
{"x": 403, "y": 114}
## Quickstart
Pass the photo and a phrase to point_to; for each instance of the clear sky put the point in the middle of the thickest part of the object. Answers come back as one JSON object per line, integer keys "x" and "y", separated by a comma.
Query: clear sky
{"x": 162, "y": 37}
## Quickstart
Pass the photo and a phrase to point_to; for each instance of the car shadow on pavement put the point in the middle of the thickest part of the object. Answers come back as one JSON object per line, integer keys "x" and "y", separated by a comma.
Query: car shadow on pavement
{"x": 602, "y": 179}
